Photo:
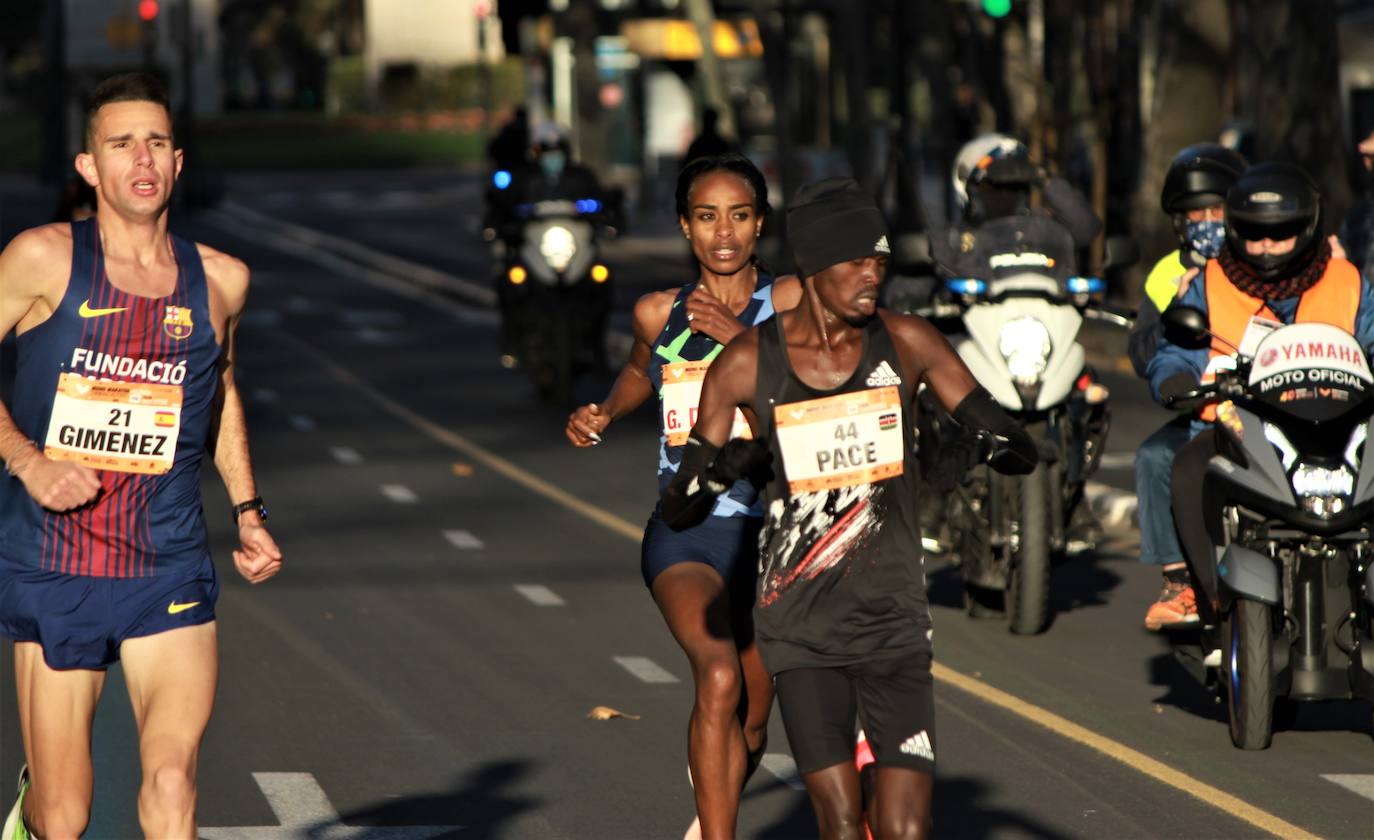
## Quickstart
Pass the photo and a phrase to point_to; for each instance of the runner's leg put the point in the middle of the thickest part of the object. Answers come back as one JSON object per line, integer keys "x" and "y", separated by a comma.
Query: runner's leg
{"x": 837, "y": 801}
{"x": 695, "y": 604}
{"x": 56, "y": 710}
{"x": 171, "y": 679}
{"x": 902, "y": 803}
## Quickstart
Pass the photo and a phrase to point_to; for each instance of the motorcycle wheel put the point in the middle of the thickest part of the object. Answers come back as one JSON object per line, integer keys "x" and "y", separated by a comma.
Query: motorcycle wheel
{"x": 1249, "y": 675}
{"x": 1028, "y": 584}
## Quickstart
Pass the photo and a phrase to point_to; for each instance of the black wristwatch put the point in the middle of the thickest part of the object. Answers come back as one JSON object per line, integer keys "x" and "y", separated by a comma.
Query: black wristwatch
{"x": 254, "y": 503}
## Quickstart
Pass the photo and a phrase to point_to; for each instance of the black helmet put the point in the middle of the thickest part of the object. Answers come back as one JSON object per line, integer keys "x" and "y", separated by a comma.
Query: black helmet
{"x": 1274, "y": 201}
{"x": 1199, "y": 176}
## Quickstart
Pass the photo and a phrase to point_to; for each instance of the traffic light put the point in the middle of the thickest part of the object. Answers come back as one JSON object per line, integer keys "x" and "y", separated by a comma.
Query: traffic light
{"x": 997, "y": 8}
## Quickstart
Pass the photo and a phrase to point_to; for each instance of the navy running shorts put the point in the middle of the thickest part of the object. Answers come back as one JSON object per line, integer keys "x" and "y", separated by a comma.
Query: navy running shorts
{"x": 80, "y": 621}
{"x": 894, "y": 699}
{"x": 728, "y": 544}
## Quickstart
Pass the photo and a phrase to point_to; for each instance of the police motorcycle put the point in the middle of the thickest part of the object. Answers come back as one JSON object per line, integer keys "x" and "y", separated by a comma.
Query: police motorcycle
{"x": 553, "y": 291}
{"x": 1286, "y": 610}
{"x": 1015, "y": 319}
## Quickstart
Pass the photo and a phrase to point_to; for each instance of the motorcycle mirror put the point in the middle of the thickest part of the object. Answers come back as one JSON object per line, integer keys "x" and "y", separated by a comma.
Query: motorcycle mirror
{"x": 1119, "y": 252}
{"x": 1186, "y": 326}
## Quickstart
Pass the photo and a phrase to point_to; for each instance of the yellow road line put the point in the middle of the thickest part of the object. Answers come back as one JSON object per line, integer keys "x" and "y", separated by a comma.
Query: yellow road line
{"x": 456, "y": 441}
{"x": 1134, "y": 759}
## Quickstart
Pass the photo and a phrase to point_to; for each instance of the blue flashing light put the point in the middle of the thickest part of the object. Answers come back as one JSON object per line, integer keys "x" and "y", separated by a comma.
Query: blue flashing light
{"x": 966, "y": 285}
{"x": 501, "y": 179}
{"x": 1086, "y": 285}
{"x": 588, "y": 205}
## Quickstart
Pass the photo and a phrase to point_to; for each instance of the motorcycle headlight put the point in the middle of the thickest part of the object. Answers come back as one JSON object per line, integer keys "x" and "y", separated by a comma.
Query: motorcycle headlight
{"x": 1288, "y": 454}
{"x": 1323, "y": 491}
{"x": 1025, "y": 344}
{"x": 557, "y": 247}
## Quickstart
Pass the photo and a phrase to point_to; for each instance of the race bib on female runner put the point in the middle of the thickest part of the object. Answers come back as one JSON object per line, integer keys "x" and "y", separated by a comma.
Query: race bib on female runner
{"x": 127, "y": 427}
{"x": 841, "y": 441}
{"x": 681, "y": 396}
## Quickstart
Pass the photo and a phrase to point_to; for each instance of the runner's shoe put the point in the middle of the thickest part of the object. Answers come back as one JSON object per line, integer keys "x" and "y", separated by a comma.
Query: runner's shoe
{"x": 1177, "y": 606}
{"x": 14, "y": 824}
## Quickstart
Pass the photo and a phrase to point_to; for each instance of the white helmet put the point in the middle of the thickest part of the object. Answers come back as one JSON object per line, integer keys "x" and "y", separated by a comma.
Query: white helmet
{"x": 974, "y": 157}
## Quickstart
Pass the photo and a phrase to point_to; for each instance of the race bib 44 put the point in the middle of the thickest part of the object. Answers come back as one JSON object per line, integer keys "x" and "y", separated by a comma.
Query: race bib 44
{"x": 122, "y": 426}
{"x": 681, "y": 395}
{"x": 840, "y": 441}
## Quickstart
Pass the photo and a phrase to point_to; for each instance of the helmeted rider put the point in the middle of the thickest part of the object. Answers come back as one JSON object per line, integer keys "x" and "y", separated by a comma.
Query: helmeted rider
{"x": 1276, "y": 268}
{"x": 1194, "y": 196}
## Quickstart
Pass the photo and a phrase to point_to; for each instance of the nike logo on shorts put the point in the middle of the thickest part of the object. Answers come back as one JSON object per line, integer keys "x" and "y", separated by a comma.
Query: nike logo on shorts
{"x": 174, "y": 608}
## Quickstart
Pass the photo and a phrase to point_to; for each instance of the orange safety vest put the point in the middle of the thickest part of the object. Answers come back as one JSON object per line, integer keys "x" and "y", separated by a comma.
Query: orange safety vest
{"x": 1333, "y": 300}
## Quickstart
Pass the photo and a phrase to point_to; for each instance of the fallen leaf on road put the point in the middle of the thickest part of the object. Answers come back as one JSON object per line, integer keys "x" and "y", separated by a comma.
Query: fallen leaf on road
{"x": 606, "y": 713}
{"x": 463, "y": 470}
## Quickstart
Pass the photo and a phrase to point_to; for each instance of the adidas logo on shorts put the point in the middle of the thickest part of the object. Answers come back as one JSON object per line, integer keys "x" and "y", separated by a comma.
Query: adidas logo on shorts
{"x": 882, "y": 375}
{"x": 919, "y": 745}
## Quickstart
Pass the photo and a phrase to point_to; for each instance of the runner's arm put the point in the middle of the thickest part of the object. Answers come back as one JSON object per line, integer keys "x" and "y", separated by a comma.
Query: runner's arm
{"x": 259, "y": 558}
{"x": 710, "y": 465}
{"x": 632, "y": 386}
{"x": 31, "y": 267}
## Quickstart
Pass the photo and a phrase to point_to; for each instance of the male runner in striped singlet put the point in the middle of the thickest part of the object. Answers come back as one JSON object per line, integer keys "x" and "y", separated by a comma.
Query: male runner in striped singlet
{"x": 125, "y": 381}
{"x": 842, "y": 617}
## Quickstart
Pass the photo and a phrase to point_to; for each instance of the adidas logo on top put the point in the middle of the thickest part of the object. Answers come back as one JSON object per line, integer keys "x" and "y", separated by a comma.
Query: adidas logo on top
{"x": 919, "y": 745}
{"x": 881, "y": 245}
{"x": 882, "y": 375}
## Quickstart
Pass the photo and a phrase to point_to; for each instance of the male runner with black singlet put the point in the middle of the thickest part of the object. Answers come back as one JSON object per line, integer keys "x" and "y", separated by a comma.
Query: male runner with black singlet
{"x": 842, "y": 616}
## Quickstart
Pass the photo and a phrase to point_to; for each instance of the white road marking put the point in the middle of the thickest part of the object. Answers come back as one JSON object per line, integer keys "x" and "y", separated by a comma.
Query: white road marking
{"x": 782, "y": 766}
{"x": 303, "y": 810}
{"x": 644, "y": 669}
{"x": 1115, "y": 507}
{"x": 1359, "y": 783}
{"x": 301, "y": 422}
{"x": 400, "y": 494}
{"x": 264, "y": 395}
{"x": 540, "y": 596}
{"x": 346, "y": 455}
{"x": 463, "y": 539}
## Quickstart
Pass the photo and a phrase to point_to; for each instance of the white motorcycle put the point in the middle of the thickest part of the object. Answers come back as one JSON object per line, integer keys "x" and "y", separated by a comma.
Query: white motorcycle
{"x": 1020, "y": 311}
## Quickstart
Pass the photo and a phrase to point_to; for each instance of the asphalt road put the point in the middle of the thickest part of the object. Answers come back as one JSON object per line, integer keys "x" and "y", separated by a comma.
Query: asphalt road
{"x": 462, "y": 589}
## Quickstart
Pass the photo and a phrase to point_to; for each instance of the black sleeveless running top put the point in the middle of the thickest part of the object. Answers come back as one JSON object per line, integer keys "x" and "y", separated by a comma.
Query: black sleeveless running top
{"x": 843, "y": 576}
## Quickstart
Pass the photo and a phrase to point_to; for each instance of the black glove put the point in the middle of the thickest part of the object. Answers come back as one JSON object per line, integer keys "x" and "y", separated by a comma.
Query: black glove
{"x": 1173, "y": 389}
{"x": 956, "y": 458}
{"x": 741, "y": 458}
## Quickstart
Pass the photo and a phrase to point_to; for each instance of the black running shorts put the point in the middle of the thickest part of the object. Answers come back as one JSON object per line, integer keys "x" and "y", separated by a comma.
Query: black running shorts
{"x": 893, "y": 698}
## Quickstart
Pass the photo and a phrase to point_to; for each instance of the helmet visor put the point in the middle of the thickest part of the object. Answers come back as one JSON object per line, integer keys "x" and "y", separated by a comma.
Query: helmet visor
{"x": 1254, "y": 230}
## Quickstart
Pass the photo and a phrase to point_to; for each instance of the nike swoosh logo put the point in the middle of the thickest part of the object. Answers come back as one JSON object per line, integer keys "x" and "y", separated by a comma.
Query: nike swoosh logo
{"x": 174, "y": 608}
{"x": 87, "y": 312}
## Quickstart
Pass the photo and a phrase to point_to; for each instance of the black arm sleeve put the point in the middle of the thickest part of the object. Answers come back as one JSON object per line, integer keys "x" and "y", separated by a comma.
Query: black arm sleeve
{"x": 1072, "y": 210}
{"x": 1013, "y": 450}
{"x": 688, "y": 499}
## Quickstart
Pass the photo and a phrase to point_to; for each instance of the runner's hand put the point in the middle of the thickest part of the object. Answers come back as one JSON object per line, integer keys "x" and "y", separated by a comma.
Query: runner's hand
{"x": 586, "y": 424}
{"x": 59, "y": 485}
{"x": 707, "y": 314}
{"x": 259, "y": 559}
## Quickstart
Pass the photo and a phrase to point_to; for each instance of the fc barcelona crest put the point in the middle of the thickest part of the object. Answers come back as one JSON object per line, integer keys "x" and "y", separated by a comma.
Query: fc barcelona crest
{"x": 177, "y": 322}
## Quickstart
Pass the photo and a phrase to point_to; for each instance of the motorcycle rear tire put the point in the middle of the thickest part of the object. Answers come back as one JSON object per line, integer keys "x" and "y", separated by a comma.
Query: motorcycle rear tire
{"x": 1249, "y": 671}
{"x": 1028, "y": 583}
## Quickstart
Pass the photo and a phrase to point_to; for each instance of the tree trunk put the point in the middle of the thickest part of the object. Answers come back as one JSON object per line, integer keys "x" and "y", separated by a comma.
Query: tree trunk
{"x": 1192, "y": 47}
{"x": 1287, "y": 64}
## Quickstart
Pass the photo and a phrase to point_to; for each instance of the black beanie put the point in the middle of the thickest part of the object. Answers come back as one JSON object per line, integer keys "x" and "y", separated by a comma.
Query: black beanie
{"x": 834, "y": 221}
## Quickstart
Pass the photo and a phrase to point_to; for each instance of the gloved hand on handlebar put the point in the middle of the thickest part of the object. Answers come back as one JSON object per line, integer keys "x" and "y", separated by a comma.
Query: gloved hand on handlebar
{"x": 1184, "y": 393}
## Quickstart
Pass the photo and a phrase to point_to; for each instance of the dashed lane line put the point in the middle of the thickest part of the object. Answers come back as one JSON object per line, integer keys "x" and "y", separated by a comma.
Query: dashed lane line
{"x": 645, "y": 669}
{"x": 540, "y": 596}
{"x": 1138, "y": 761}
{"x": 346, "y": 455}
{"x": 400, "y": 494}
{"x": 457, "y": 442}
{"x": 302, "y": 422}
{"x": 784, "y": 768}
{"x": 463, "y": 539}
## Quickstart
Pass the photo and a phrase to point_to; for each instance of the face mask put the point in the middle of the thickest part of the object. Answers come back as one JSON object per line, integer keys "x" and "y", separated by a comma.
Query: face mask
{"x": 1206, "y": 238}
{"x": 552, "y": 163}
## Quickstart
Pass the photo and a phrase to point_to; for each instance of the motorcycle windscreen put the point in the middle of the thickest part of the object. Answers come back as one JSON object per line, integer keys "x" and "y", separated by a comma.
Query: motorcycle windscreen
{"x": 1315, "y": 372}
